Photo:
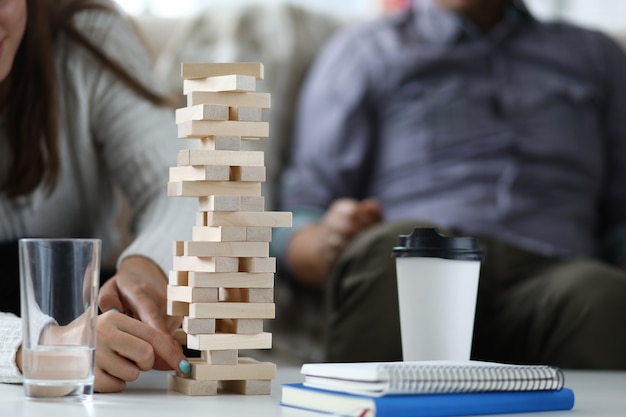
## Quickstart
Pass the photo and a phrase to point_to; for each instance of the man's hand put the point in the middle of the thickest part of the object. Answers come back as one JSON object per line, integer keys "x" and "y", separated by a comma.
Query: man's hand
{"x": 313, "y": 250}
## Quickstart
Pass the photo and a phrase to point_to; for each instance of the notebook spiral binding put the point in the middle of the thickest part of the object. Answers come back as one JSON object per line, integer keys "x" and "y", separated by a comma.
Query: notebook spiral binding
{"x": 434, "y": 379}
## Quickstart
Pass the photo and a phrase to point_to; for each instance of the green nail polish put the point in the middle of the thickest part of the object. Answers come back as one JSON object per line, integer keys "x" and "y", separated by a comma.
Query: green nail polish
{"x": 115, "y": 310}
{"x": 184, "y": 366}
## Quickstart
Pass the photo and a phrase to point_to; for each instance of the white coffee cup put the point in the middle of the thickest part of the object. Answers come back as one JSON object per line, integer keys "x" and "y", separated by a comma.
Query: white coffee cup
{"x": 437, "y": 289}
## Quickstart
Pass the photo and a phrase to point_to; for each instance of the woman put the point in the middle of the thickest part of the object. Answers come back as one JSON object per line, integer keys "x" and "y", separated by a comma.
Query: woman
{"x": 79, "y": 117}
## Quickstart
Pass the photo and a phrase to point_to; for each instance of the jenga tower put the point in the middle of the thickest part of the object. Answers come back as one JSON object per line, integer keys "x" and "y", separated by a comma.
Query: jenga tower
{"x": 222, "y": 281}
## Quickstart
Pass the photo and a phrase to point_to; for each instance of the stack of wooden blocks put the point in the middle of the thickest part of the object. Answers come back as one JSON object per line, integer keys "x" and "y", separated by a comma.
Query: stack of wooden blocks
{"x": 222, "y": 281}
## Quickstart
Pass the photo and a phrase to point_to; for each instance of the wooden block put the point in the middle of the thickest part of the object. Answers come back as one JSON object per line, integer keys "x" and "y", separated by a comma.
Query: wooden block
{"x": 215, "y": 264}
{"x": 239, "y": 326}
{"x": 180, "y": 336}
{"x": 249, "y": 295}
{"x": 247, "y": 387}
{"x": 231, "y": 279}
{"x": 177, "y": 308}
{"x": 201, "y": 173}
{"x": 221, "y": 143}
{"x": 221, "y": 357}
{"x": 205, "y": 188}
{"x": 193, "y": 70}
{"x": 246, "y": 368}
{"x": 198, "y": 326}
{"x": 203, "y": 112}
{"x": 229, "y": 341}
{"x": 200, "y": 221}
{"x": 208, "y": 157}
{"x": 245, "y": 114}
{"x": 249, "y": 114}
{"x": 251, "y": 203}
{"x": 233, "y": 295}
{"x": 260, "y": 295}
{"x": 178, "y": 247}
{"x": 262, "y": 100}
{"x": 189, "y": 386}
{"x": 204, "y": 128}
{"x": 249, "y": 218}
{"x": 247, "y": 326}
{"x": 247, "y": 173}
{"x": 231, "y": 311}
{"x": 220, "y": 203}
{"x": 178, "y": 278}
{"x": 229, "y": 249}
{"x": 258, "y": 234}
{"x": 218, "y": 233}
{"x": 257, "y": 264}
{"x": 192, "y": 294}
{"x": 231, "y": 203}
{"x": 230, "y": 83}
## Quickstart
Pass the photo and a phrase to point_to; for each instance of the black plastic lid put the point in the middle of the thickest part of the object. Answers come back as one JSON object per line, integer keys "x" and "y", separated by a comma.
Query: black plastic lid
{"x": 428, "y": 242}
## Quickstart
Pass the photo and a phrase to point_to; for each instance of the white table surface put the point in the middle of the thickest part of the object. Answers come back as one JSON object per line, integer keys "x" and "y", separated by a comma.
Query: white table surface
{"x": 598, "y": 394}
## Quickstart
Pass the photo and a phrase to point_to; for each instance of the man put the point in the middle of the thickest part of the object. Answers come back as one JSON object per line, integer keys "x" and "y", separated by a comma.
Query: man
{"x": 472, "y": 116}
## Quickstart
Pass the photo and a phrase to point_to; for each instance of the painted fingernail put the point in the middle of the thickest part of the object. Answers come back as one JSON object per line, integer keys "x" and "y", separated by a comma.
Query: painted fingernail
{"x": 115, "y": 310}
{"x": 184, "y": 366}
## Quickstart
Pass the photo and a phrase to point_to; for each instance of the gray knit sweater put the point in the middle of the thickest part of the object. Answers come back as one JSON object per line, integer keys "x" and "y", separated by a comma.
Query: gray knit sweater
{"x": 109, "y": 137}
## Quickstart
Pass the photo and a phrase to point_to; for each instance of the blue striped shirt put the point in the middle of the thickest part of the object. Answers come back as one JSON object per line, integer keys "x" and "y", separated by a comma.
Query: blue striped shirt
{"x": 518, "y": 133}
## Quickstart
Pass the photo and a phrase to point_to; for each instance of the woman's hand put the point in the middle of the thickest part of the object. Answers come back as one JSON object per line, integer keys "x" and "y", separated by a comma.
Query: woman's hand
{"x": 126, "y": 346}
{"x": 139, "y": 290}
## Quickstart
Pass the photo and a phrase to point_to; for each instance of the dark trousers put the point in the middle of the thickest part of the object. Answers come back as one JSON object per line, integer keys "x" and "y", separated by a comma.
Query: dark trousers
{"x": 530, "y": 309}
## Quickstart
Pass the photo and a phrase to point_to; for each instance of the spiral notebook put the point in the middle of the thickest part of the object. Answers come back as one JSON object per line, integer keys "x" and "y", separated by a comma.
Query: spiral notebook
{"x": 430, "y": 377}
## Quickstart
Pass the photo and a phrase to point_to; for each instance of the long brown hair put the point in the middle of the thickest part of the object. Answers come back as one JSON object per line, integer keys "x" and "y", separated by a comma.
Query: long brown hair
{"x": 32, "y": 101}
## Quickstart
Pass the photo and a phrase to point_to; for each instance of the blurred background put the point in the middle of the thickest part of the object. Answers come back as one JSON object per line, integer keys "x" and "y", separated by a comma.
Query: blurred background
{"x": 286, "y": 35}
{"x": 602, "y": 14}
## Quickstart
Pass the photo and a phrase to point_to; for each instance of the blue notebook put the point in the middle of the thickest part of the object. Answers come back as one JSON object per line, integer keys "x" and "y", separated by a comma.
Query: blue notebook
{"x": 425, "y": 405}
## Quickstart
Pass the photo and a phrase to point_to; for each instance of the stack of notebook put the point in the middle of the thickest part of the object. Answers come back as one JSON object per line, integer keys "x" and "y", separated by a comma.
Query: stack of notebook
{"x": 428, "y": 389}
